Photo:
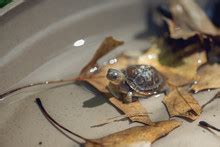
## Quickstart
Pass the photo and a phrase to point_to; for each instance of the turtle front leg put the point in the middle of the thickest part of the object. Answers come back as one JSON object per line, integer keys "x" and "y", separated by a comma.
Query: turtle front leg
{"x": 128, "y": 97}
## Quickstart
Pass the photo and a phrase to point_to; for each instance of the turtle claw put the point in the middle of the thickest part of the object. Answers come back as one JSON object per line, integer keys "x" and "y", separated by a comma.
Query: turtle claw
{"x": 128, "y": 97}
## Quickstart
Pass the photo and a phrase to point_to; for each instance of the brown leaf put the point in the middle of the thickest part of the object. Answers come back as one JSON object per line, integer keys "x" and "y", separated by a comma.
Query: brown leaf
{"x": 207, "y": 77}
{"x": 189, "y": 20}
{"x": 99, "y": 81}
{"x": 132, "y": 108}
{"x": 136, "y": 135}
{"x": 174, "y": 65}
{"x": 107, "y": 45}
{"x": 181, "y": 103}
{"x": 177, "y": 32}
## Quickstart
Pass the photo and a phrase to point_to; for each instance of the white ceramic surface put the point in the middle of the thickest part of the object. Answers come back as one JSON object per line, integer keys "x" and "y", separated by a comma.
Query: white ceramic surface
{"x": 45, "y": 50}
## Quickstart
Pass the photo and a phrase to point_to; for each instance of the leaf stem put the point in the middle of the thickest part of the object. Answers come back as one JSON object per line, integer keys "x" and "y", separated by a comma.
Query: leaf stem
{"x": 47, "y": 115}
{"x": 207, "y": 125}
{"x": 34, "y": 84}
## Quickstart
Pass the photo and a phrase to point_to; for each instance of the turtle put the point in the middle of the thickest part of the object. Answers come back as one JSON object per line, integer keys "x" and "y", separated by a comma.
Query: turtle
{"x": 135, "y": 81}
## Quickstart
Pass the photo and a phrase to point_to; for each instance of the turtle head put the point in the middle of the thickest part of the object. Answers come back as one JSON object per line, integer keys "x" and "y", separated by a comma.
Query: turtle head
{"x": 115, "y": 76}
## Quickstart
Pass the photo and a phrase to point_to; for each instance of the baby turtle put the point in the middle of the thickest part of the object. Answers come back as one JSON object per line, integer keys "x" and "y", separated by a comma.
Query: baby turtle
{"x": 134, "y": 82}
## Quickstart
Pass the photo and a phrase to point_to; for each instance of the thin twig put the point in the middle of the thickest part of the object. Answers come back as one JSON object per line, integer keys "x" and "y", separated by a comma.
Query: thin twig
{"x": 64, "y": 133}
{"x": 129, "y": 115}
{"x": 120, "y": 118}
{"x": 35, "y": 84}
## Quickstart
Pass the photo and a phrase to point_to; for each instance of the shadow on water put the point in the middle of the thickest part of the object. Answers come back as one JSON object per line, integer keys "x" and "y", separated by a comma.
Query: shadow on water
{"x": 95, "y": 101}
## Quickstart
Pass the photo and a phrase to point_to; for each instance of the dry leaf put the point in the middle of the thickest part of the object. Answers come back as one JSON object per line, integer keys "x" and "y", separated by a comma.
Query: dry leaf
{"x": 181, "y": 103}
{"x": 176, "y": 32}
{"x": 99, "y": 81}
{"x": 107, "y": 45}
{"x": 132, "y": 108}
{"x": 207, "y": 77}
{"x": 174, "y": 65}
{"x": 189, "y": 20}
{"x": 142, "y": 135}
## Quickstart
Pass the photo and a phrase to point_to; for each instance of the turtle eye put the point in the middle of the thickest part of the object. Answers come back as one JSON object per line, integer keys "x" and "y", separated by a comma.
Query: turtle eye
{"x": 113, "y": 74}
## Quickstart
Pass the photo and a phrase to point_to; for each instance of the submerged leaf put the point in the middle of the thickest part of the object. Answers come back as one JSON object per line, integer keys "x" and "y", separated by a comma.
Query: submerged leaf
{"x": 181, "y": 103}
{"x": 189, "y": 20}
{"x": 142, "y": 135}
{"x": 207, "y": 77}
{"x": 99, "y": 81}
{"x": 174, "y": 65}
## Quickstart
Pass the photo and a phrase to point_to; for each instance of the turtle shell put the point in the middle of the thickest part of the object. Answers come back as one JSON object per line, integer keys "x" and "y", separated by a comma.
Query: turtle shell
{"x": 143, "y": 78}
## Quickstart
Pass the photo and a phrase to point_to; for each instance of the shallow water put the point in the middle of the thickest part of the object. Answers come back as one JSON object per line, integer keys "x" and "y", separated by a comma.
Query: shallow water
{"x": 77, "y": 108}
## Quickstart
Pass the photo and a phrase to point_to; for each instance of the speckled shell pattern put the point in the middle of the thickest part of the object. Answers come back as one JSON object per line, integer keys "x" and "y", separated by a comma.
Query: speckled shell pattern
{"x": 143, "y": 78}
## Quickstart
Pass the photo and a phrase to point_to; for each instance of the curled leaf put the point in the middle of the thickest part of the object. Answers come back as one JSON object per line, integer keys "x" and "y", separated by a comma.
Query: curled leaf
{"x": 207, "y": 77}
{"x": 142, "y": 135}
{"x": 99, "y": 81}
{"x": 181, "y": 103}
{"x": 174, "y": 65}
{"x": 176, "y": 32}
{"x": 107, "y": 45}
{"x": 189, "y": 20}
